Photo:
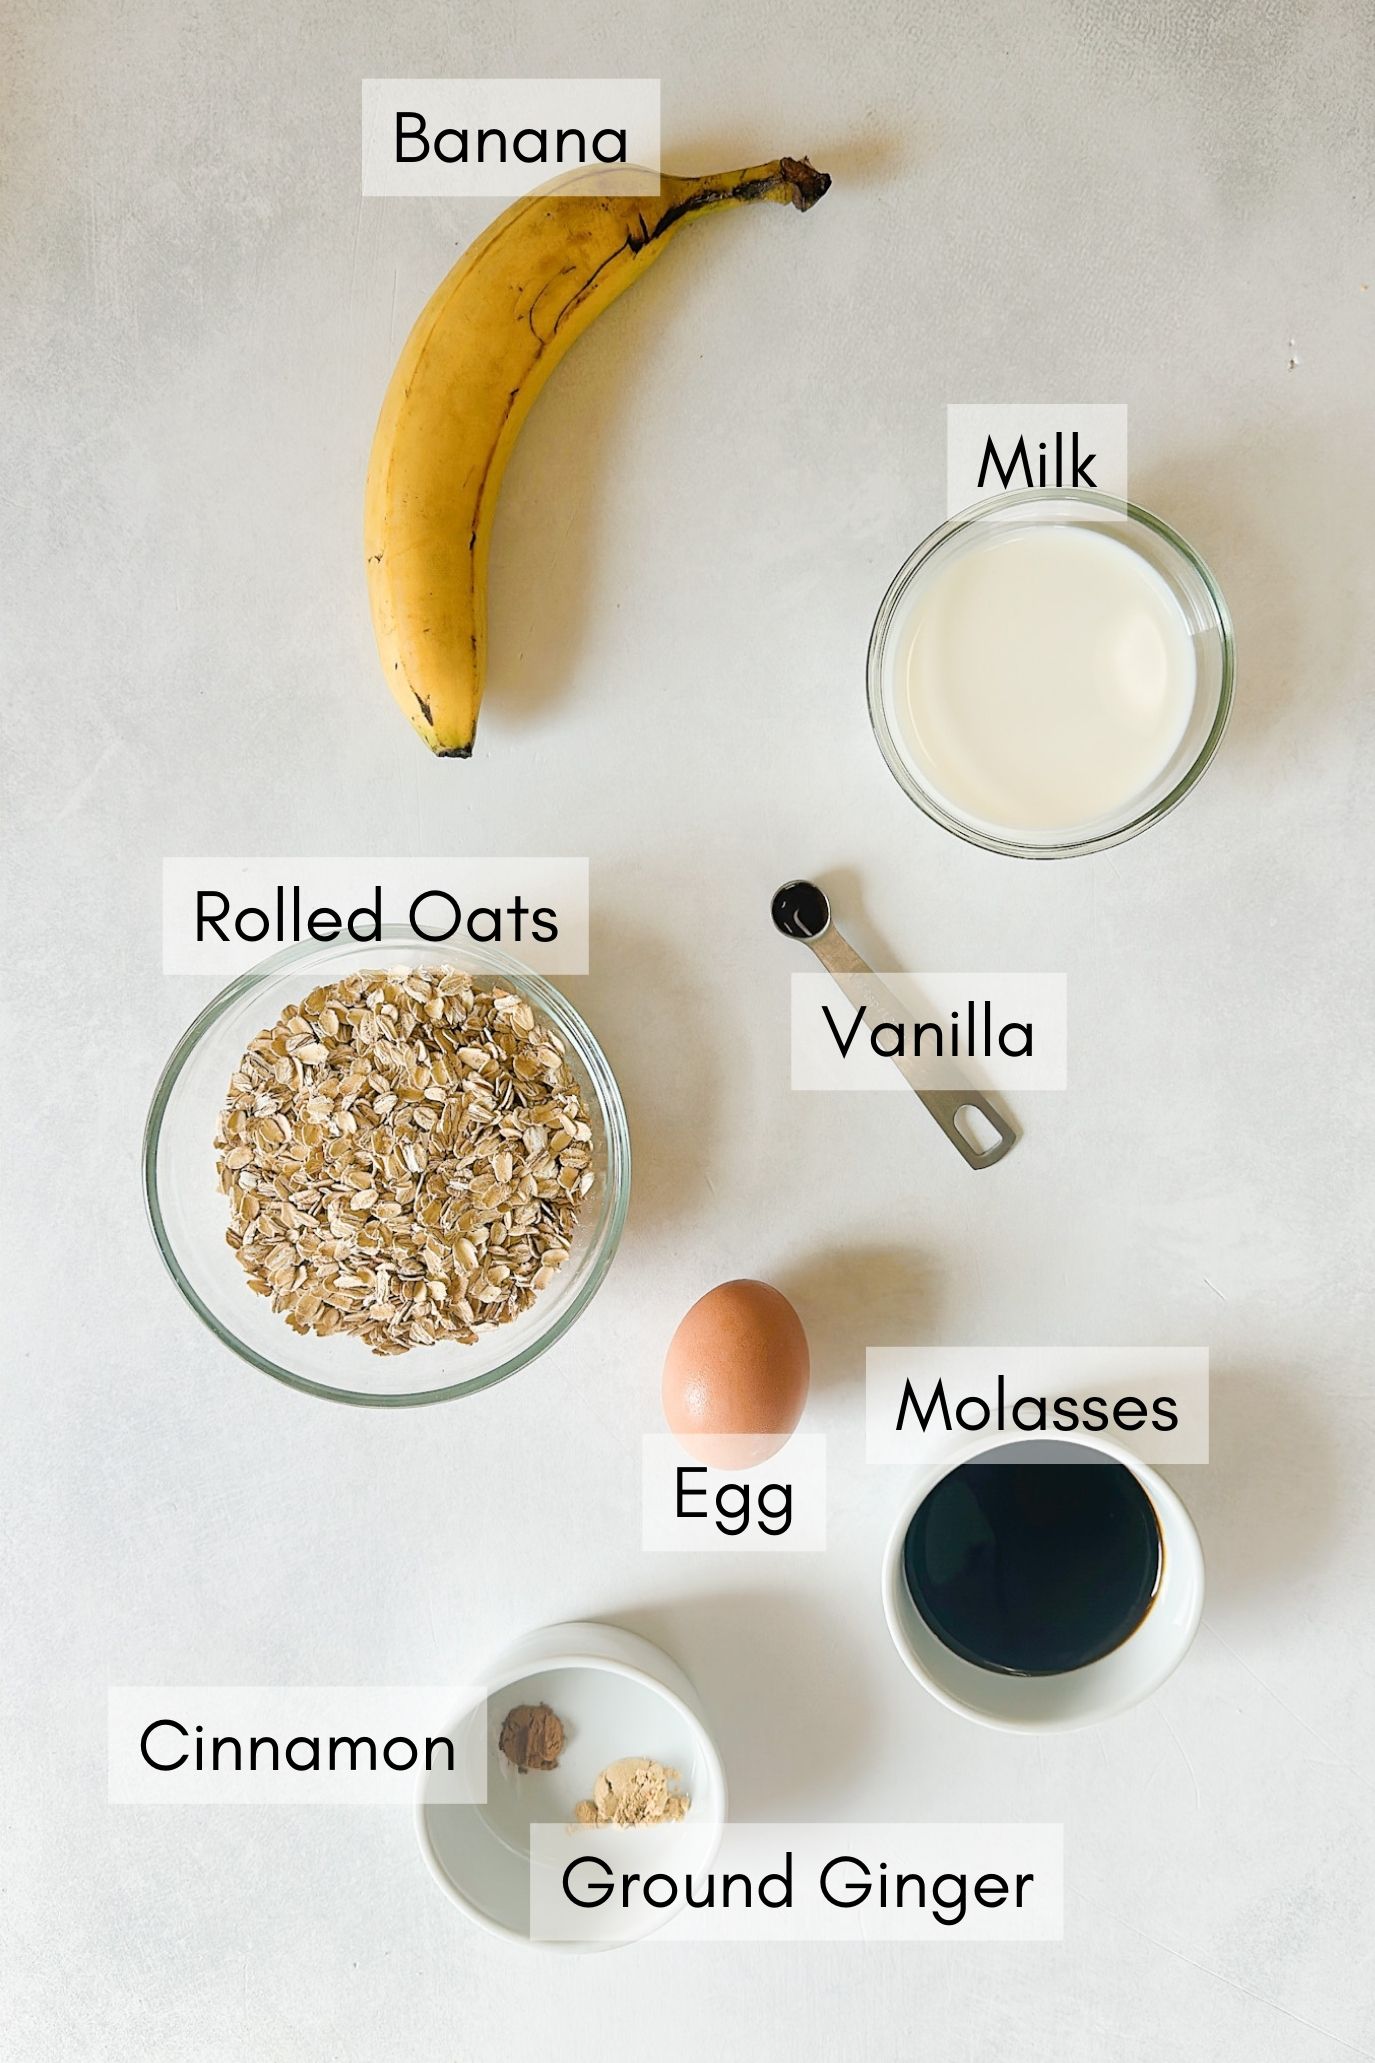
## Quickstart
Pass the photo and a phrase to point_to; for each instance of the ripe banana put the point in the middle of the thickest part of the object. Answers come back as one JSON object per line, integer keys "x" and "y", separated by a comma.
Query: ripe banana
{"x": 483, "y": 347}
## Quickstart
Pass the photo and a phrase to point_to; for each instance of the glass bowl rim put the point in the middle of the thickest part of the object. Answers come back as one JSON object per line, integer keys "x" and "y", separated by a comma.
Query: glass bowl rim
{"x": 937, "y": 540}
{"x": 565, "y": 1018}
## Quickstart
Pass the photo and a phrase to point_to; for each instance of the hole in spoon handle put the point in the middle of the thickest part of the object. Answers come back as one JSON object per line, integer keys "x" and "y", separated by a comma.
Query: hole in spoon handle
{"x": 979, "y": 1132}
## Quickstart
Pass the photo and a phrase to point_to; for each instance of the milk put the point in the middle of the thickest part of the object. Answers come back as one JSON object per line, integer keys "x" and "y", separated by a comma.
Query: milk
{"x": 1043, "y": 677}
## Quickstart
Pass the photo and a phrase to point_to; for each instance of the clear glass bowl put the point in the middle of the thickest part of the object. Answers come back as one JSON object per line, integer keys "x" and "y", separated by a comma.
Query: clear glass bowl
{"x": 190, "y": 1216}
{"x": 1193, "y": 588}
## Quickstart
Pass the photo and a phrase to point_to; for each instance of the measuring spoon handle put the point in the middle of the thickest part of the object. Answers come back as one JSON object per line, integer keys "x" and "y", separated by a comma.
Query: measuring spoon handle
{"x": 861, "y": 985}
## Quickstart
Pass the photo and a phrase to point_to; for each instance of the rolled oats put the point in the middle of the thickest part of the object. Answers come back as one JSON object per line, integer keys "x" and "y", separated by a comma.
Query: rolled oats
{"x": 405, "y": 1156}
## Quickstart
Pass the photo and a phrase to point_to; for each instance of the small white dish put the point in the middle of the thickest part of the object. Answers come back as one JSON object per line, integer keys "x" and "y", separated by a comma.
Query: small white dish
{"x": 617, "y": 1695}
{"x": 1075, "y": 1697}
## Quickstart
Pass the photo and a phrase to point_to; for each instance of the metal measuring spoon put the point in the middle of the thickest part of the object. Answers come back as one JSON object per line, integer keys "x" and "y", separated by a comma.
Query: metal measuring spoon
{"x": 802, "y": 910}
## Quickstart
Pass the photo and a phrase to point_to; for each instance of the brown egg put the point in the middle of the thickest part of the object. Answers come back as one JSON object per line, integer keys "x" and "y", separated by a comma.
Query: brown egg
{"x": 736, "y": 1375}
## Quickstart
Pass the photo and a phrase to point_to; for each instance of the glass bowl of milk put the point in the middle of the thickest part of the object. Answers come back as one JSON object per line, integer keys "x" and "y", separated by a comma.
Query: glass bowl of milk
{"x": 1050, "y": 672}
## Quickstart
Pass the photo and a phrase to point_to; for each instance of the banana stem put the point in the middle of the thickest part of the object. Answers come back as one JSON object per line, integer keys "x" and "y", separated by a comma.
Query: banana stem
{"x": 792, "y": 181}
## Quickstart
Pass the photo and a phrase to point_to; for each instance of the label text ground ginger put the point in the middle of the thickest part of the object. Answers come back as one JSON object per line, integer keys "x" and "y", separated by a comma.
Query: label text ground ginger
{"x": 405, "y": 1156}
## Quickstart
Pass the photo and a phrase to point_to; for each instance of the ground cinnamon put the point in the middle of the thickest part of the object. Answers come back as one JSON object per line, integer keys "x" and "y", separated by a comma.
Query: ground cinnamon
{"x": 532, "y": 1737}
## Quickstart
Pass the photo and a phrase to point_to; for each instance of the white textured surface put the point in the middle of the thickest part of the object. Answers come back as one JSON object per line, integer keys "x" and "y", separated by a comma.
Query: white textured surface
{"x": 1163, "y": 204}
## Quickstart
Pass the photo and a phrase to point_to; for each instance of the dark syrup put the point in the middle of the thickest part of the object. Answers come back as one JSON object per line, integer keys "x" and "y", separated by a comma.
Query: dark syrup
{"x": 801, "y": 910}
{"x": 1034, "y": 1567}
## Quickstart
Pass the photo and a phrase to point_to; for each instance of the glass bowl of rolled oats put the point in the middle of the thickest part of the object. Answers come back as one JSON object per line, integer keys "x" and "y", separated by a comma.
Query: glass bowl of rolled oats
{"x": 388, "y": 1174}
